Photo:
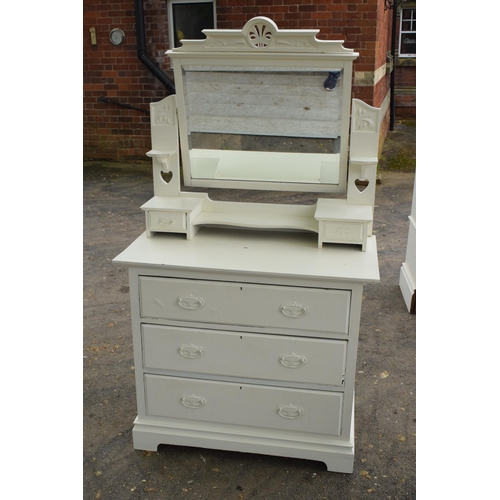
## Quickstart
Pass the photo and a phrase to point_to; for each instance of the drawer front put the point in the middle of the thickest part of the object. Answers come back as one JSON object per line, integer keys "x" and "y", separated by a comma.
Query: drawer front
{"x": 244, "y": 355}
{"x": 344, "y": 231}
{"x": 167, "y": 221}
{"x": 242, "y": 404}
{"x": 306, "y": 309}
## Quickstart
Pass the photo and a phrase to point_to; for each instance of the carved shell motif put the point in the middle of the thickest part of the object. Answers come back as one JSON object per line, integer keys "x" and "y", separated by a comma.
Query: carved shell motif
{"x": 260, "y": 35}
{"x": 164, "y": 114}
{"x": 365, "y": 120}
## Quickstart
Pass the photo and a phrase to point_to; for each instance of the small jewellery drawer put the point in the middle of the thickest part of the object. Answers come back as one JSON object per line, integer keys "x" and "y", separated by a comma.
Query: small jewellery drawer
{"x": 244, "y": 404}
{"x": 166, "y": 221}
{"x": 349, "y": 232}
{"x": 245, "y": 355}
{"x": 307, "y": 309}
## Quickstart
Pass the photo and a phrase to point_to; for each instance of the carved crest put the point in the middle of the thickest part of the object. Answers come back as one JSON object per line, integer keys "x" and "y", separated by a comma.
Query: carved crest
{"x": 259, "y": 32}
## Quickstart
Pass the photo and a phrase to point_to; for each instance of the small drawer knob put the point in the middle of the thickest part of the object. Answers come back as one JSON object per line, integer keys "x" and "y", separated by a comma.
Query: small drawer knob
{"x": 165, "y": 222}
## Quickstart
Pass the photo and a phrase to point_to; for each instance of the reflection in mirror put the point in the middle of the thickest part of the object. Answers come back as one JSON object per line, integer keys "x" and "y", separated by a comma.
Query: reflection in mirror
{"x": 280, "y": 126}
{"x": 272, "y": 159}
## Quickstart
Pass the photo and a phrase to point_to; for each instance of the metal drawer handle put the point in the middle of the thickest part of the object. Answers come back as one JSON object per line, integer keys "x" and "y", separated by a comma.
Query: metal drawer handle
{"x": 294, "y": 310}
{"x": 190, "y": 301}
{"x": 191, "y": 351}
{"x": 290, "y": 411}
{"x": 293, "y": 360}
{"x": 193, "y": 401}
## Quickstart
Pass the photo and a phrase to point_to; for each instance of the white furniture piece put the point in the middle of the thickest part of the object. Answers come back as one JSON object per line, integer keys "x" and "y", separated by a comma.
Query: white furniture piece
{"x": 408, "y": 271}
{"x": 252, "y": 112}
{"x": 246, "y": 340}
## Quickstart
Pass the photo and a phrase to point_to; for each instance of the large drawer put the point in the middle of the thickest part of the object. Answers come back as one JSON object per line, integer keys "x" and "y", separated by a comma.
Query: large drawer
{"x": 230, "y": 403}
{"x": 267, "y": 357}
{"x": 215, "y": 302}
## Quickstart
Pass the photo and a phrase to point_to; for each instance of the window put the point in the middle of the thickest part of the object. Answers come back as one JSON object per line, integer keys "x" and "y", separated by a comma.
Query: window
{"x": 186, "y": 19}
{"x": 408, "y": 33}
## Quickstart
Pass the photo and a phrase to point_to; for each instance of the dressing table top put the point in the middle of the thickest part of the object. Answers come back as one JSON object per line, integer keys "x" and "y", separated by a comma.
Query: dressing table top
{"x": 285, "y": 254}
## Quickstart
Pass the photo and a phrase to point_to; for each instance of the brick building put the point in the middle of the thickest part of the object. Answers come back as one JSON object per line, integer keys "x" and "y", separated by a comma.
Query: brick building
{"x": 405, "y": 62}
{"x": 122, "y": 76}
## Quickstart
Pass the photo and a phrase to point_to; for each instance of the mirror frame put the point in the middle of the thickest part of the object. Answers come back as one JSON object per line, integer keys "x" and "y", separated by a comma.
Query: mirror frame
{"x": 260, "y": 44}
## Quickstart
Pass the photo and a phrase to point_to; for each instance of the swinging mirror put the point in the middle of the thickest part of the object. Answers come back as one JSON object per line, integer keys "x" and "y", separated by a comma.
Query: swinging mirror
{"x": 277, "y": 129}
{"x": 262, "y": 108}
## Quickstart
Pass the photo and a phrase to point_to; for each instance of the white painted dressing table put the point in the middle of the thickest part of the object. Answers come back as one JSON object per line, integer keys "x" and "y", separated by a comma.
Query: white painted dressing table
{"x": 246, "y": 340}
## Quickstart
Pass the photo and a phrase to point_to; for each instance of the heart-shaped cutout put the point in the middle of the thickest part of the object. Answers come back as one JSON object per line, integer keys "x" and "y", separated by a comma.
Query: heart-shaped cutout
{"x": 361, "y": 184}
{"x": 167, "y": 176}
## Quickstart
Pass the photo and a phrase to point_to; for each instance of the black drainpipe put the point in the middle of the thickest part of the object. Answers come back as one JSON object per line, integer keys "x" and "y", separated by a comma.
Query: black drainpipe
{"x": 141, "y": 48}
{"x": 393, "y": 76}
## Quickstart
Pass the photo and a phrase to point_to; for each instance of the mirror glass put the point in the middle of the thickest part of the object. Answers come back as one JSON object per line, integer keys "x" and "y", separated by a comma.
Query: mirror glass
{"x": 270, "y": 126}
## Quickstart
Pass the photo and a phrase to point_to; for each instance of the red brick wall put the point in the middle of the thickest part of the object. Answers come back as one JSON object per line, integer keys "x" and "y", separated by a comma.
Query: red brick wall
{"x": 405, "y": 75}
{"x": 406, "y": 106}
{"x": 362, "y": 25}
{"x": 115, "y": 72}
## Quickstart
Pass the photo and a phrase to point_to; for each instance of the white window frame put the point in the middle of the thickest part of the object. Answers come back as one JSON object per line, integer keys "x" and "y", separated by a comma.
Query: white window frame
{"x": 170, "y": 14}
{"x": 403, "y": 32}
